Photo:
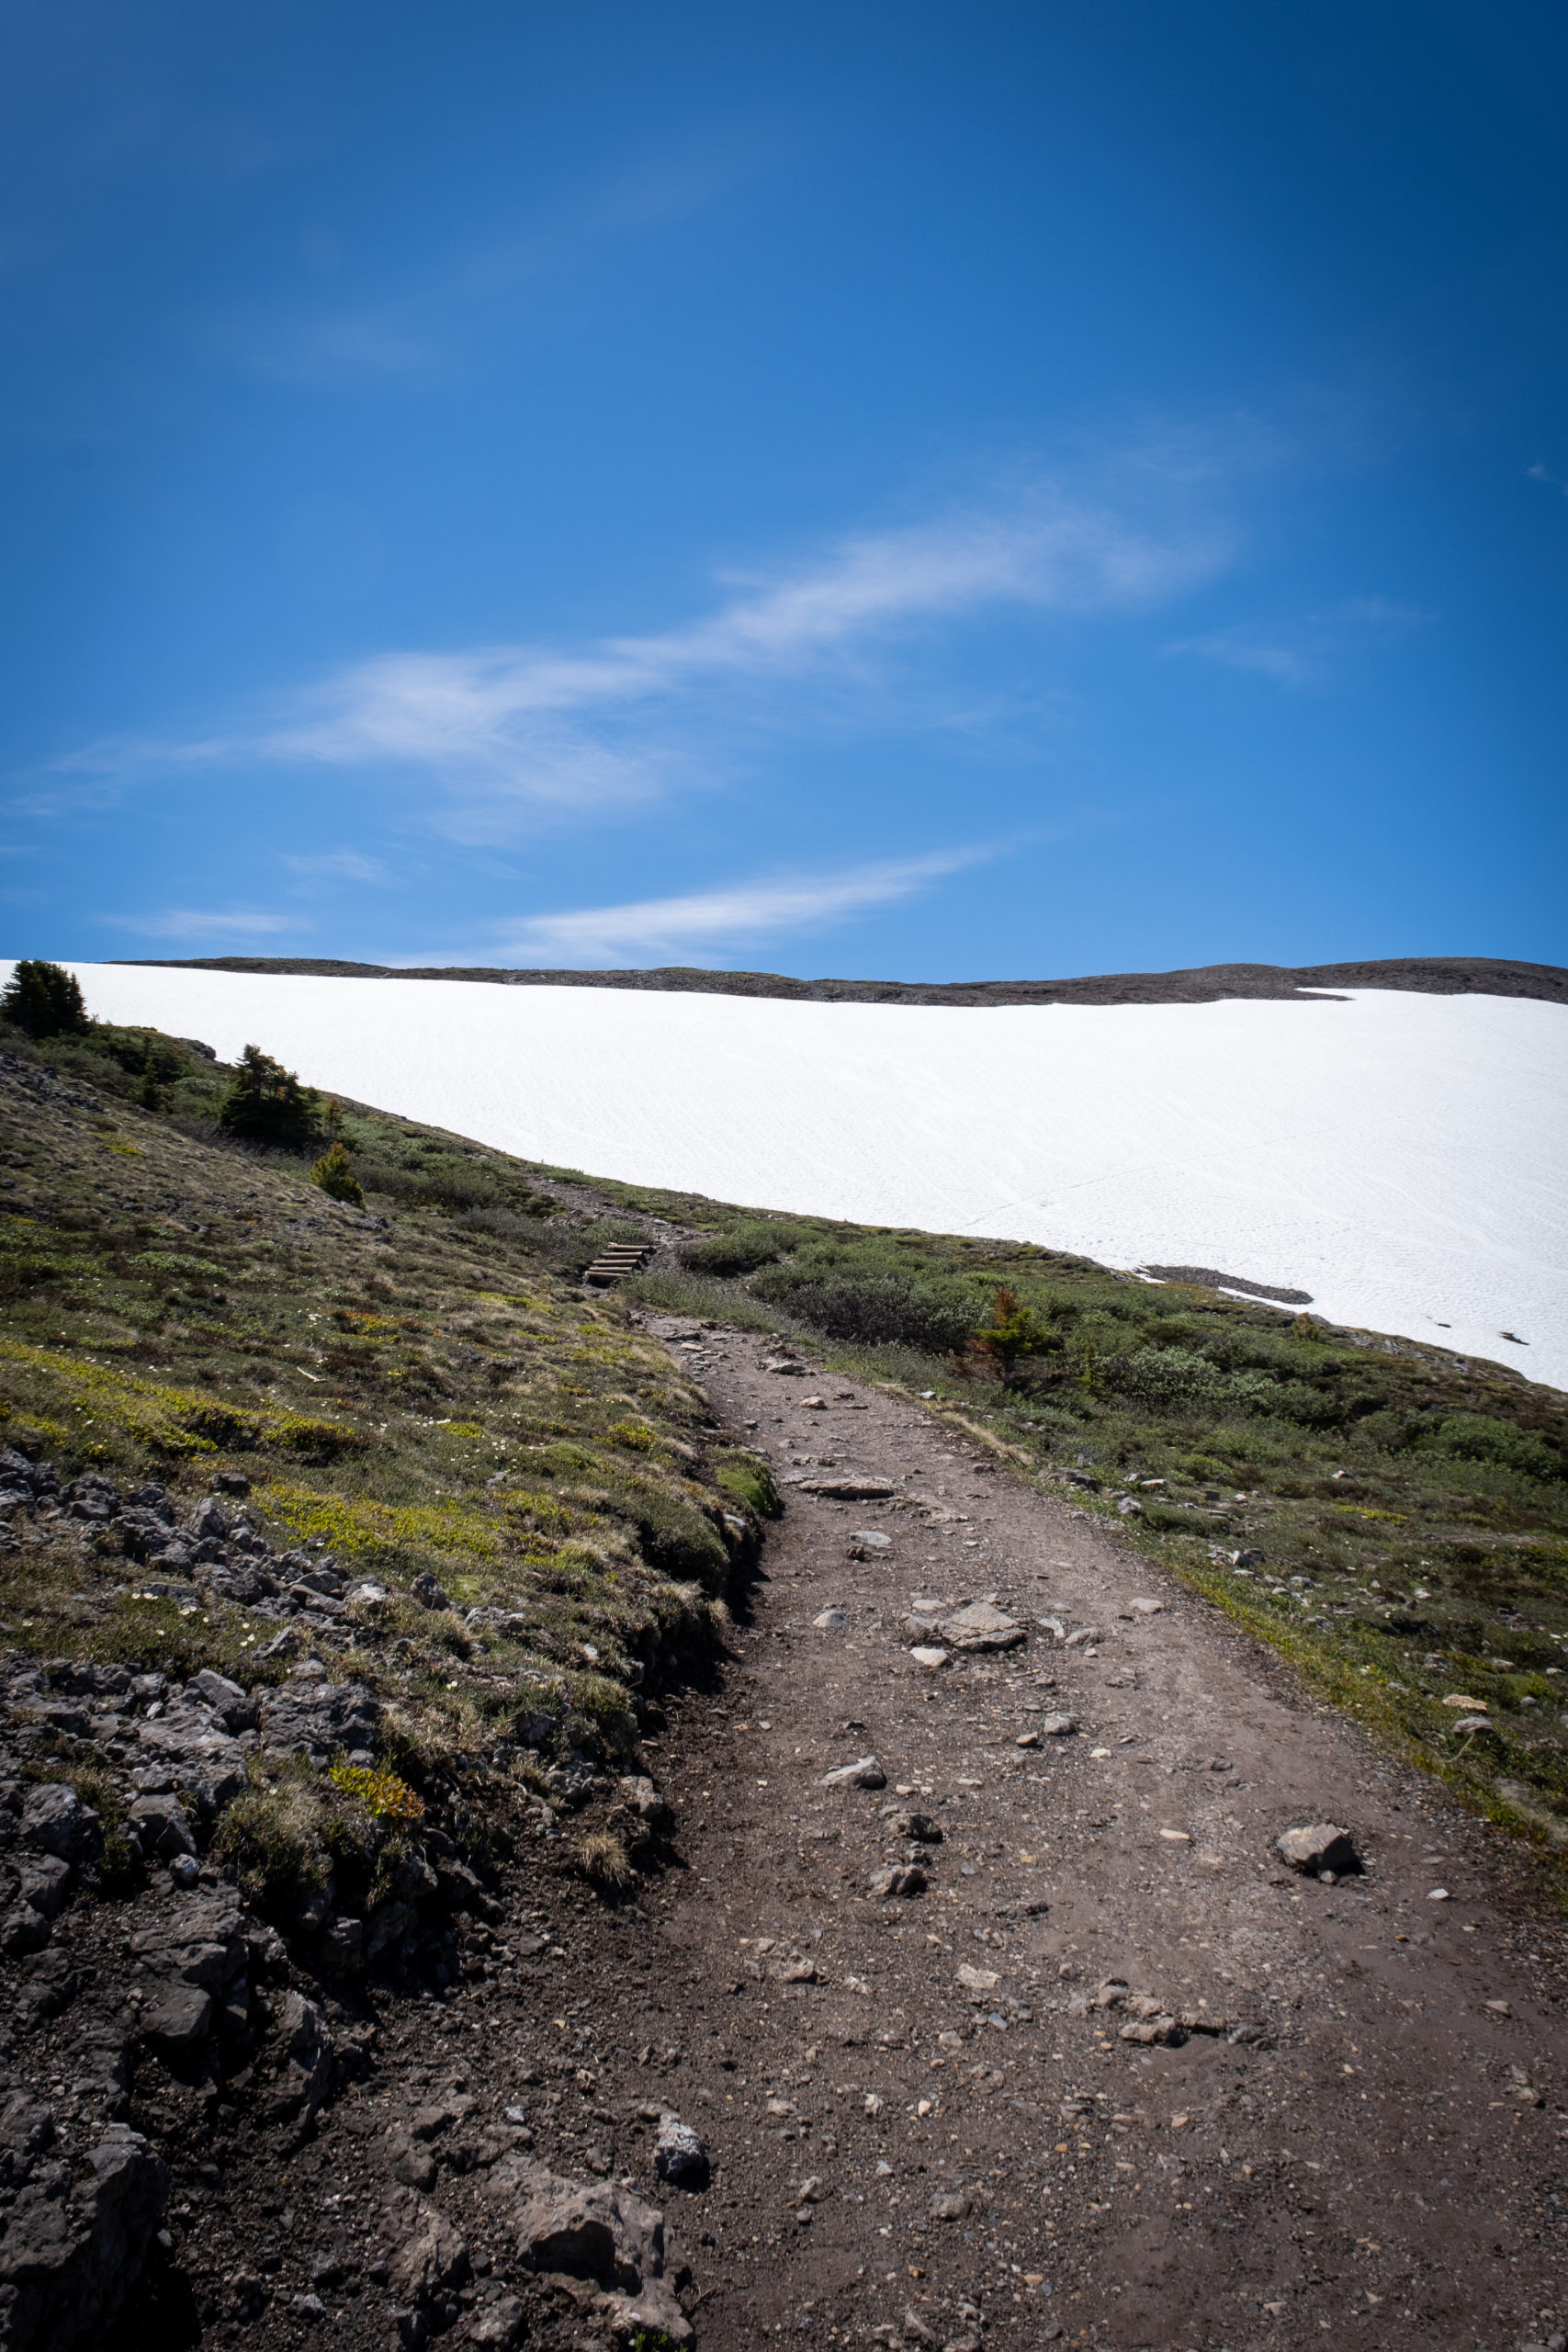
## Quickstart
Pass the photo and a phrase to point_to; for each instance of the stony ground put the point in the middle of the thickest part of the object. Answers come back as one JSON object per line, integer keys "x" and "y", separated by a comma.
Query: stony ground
{"x": 1365, "y": 2133}
{"x": 1115, "y": 2076}
{"x": 1022, "y": 2032}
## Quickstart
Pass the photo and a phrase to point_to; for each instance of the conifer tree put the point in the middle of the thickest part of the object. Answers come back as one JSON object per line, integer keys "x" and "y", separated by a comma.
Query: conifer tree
{"x": 44, "y": 1000}
{"x": 267, "y": 1105}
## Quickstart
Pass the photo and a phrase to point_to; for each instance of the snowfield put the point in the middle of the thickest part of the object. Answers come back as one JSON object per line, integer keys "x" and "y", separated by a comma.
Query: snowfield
{"x": 1403, "y": 1157}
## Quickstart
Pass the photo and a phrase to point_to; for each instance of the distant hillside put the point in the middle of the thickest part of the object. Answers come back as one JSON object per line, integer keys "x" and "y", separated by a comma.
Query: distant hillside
{"x": 1426, "y": 975}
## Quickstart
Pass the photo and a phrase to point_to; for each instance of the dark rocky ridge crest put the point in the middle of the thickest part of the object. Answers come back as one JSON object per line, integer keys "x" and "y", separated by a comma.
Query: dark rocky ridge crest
{"x": 1207, "y": 984}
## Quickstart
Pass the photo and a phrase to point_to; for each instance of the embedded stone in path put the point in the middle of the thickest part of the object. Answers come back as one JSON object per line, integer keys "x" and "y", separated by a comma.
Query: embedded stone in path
{"x": 849, "y": 1489}
{"x": 980, "y": 1626}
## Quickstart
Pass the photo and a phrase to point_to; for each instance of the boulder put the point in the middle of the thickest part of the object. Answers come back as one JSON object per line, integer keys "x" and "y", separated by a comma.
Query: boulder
{"x": 55, "y": 1821}
{"x": 72, "y": 2251}
{"x": 637, "y": 1792}
{"x": 26, "y": 2130}
{"x": 236, "y": 1709}
{"x": 900, "y": 1880}
{"x": 177, "y": 2019}
{"x": 678, "y": 2152}
{"x": 44, "y": 1883}
{"x": 847, "y": 1489}
{"x": 1323, "y": 1846}
{"x": 164, "y": 1825}
{"x": 199, "y": 1939}
{"x": 305, "y": 2068}
{"x": 918, "y": 1825}
{"x": 199, "y": 1754}
{"x": 428, "y": 2255}
{"x": 318, "y": 1718}
{"x": 498, "y": 2324}
{"x": 595, "y": 2232}
{"x": 23, "y": 1931}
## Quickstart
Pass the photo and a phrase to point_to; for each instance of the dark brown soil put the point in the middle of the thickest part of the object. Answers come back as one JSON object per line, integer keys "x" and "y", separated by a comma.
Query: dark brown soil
{"x": 1426, "y": 975}
{"x": 1370, "y": 2149}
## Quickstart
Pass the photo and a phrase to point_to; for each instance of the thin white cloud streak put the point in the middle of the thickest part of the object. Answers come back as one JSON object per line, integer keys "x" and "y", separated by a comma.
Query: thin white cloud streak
{"x": 505, "y": 726}
{"x": 1309, "y": 652}
{"x": 339, "y": 865}
{"x": 738, "y": 912}
{"x": 201, "y": 923}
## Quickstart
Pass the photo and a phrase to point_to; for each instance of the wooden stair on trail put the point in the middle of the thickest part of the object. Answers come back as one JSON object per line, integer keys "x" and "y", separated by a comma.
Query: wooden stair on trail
{"x": 621, "y": 1259}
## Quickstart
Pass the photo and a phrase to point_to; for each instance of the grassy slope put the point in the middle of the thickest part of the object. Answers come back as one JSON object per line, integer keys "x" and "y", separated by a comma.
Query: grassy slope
{"x": 168, "y": 1299}
{"x": 172, "y": 1307}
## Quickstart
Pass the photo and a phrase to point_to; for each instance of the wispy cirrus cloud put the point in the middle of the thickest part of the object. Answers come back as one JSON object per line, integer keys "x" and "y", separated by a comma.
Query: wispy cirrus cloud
{"x": 511, "y": 728}
{"x": 709, "y": 922}
{"x": 1308, "y": 652}
{"x": 202, "y": 922}
{"x": 417, "y": 329}
{"x": 339, "y": 865}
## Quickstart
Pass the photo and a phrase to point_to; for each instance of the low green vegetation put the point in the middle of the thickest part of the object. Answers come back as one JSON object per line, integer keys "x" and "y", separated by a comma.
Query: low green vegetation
{"x": 422, "y": 1387}
{"x": 416, "y": 1390}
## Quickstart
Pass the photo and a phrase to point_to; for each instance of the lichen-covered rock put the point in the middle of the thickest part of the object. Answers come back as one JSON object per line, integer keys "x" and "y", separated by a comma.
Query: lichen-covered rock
{"x": 317, "y": 1719}
{"x": 236, "y": 1709}
{"x": 55, "y": 1821}
{"x": 199, "y": 1939}
{"x": 199, "y": 1753}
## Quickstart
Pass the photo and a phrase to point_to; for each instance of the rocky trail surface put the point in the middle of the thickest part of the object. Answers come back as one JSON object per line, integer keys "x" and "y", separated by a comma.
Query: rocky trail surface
{"x": 1024, "y": 2033}
{"x": 965, "y": 1997}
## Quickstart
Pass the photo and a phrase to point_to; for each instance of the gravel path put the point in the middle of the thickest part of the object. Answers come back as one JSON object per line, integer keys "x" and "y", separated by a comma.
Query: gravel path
{"x": 1360, "y": 2132}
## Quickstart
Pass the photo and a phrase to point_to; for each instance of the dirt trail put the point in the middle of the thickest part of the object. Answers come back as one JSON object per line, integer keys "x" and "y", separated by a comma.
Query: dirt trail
{"x": 1372, "y": 2147}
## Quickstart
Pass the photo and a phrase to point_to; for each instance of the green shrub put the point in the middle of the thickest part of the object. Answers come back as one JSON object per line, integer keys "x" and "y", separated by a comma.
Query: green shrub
{"x": 742, "y": 1248}
{"x": 876, "y": 1310}
{"x": 267, "y": 1105}
{"x": 337, "y": 1179}
{"x": 1477, "y": 1437}
{"x": 44, "y": 1000}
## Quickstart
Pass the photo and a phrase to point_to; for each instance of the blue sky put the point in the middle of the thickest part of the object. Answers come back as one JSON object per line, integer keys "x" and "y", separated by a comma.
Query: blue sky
{"x": 927, "y": 491}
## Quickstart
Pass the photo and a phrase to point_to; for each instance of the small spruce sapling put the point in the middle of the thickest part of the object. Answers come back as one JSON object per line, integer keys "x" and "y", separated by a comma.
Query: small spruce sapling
{"x": 267, "y": 1105}
{"x": 1013, "y": 1333}
{"x": 337, "y": 1179}
{"x": 149, "y": 1094}
{"x": 44, "y": 1000}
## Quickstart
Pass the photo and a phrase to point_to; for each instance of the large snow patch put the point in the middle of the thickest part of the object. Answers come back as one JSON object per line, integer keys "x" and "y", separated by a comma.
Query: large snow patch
{"x": 1403, "y": 1157}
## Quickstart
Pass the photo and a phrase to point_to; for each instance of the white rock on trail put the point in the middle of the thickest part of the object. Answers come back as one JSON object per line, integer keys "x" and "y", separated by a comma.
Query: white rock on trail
{"x": 864, "y": 1773}
{"x": 1322, "y": 1847}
